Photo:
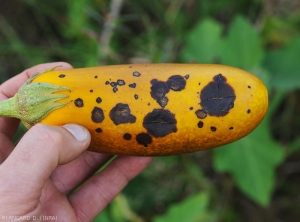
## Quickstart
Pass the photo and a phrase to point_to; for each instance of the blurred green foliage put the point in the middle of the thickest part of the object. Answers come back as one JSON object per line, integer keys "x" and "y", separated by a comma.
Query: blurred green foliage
{"x": 254, "y": 179}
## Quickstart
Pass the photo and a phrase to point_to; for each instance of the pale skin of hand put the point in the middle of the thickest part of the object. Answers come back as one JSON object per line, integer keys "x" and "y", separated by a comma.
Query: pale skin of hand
{"x": 49, "y": 162}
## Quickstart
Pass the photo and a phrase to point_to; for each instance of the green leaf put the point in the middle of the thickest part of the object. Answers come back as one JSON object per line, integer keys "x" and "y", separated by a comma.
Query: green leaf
{"x": 252, "y": 162}
{"x": 284, "y": 65}
{"x": 242, "y": 46}
{"x": 193, "y": 209}
{"x": 203, "y": 43}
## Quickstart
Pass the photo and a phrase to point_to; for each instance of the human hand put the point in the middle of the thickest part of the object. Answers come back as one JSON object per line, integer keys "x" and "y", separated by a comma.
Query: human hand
{"x": 38, "y": 174}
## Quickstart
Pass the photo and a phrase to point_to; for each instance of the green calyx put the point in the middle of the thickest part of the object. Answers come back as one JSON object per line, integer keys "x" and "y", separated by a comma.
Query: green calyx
{"x": 33, "y": 102}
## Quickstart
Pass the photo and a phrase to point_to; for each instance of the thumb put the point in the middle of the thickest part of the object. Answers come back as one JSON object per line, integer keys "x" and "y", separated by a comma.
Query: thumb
{"x": 36, "y": 156}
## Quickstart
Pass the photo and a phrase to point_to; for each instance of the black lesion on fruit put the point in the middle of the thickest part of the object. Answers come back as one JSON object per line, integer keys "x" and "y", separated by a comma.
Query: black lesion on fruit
{"x": 231, "y": 128}
{"x": 249, "y": 87}
{"x": 107, "y": 83}
{"x": 158, "y": 91}
{"x": 91, "y": 91}
{"x": 187, "y": 76}
{"x": 249, "y": 111}
{"x": 120, "y": 114}
{"x": 96, "y": 77}
{"x": 79, "y": 103}
{"x": 99, "y": 130}
{"x": 62, "y": 76}
{"x": 144, "y": 139}
{"x": 176, "y": 83}
{"x": 217, "y": 97}
{"x": 160, "y": 122}
{"x": 97, "y": 115}
{"x": 98, "y": 100}
{"x": 136, "y": 96}
{"x": 201, "y": 114}
{"x": 133, "y": 85}
{"x": 113, "y": 84}
{"x": 120, "y": 82}
{"x": 213, "y": 128}
{"x": 200, "y": 124}
{"x": 115, "y": 89}
{"x": 127, "y": 136}
{"x": 136, "y": 74}
{"x": 191, "y": 108}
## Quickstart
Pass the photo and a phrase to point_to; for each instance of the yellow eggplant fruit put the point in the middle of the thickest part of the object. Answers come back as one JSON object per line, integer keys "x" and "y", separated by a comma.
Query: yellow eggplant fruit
{"x": 146, "y": 109}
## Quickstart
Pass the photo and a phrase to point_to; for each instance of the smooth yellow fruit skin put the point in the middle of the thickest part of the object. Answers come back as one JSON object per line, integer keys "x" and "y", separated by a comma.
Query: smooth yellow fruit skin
{"x": 189, "y": 134}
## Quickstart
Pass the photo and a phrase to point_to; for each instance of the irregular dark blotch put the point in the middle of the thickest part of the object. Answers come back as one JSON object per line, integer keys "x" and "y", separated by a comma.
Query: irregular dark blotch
{"x": 120, "y": 82}
{"x": 136, "y": 74}
{"x": 162, "y": 101}
{"x": 191, "y": 108}
{"x": 62, "y": 76}
{"x": 99, "y": 130}
{"x": 120, "y": 114}
{"x": 79, "y": 103}
{"x": 249, "y": 87}
{"x": 160, "y": 122}
{"x": 187, "y": 76}
{"x": 176, "y": 83}
{"x": 249, "y": 111}
{"x": 136, "y": 96}
{"x": 96, "y": 77}
{"x": 97, "y": 115}
{"x": 130, "y": 66}
{"x": 91, "y": 90}
{"x": 148, "y": 104}
{"x": 115, "y": 89}
{"x": 201, "y": 114}
{"x": 107, "y": 83}
{"x": 158, "y": 91}
{"x": 133, "y": 85}
{"x": 213, "y": 128}
{"x": 127, "y": 136}
{"x": 144, "y": 139}
{"x": 231, "y": 128}
{"x": 98, "y": 100}
{"x": 200, "y": 124}
{"x": 113, "y": 84}
{"x": 217, "y": 97}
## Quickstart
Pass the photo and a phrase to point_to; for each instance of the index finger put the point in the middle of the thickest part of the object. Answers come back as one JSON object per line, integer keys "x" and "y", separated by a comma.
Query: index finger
{"x": 8, "y": 89}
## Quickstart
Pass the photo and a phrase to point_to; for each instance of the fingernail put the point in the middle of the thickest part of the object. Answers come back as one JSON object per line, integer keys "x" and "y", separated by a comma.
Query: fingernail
{"x": 77, "y": 131}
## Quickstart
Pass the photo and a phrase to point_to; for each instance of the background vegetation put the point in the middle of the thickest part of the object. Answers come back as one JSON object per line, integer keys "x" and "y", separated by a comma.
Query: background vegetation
{"x": 254, "y": 179}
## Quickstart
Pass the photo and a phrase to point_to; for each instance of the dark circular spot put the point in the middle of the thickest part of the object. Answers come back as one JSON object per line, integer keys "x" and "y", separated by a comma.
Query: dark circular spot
{"x": 249, "y": 87}
{"x": 158, "y": 91}
{"x": 200, "y": 124}
{"x": 133, "y": 85}
{"x": 98, "y": 100}
{"x": 120, "y": 82}
{"x": 62, "y": 76}
{"x": 248, "y": 111}
{"x": 201, "y": 114}
{"x": 213, "y": 128}
{"x": 191, "y": 108}
{"x": 120, "y": 114}
{"x": 115, "y": 89}
{"x": 148, "y": 104}
{"x": 113, "y": 84}
{"x": 231, "y": 128}
{"x": 160, "y": 122}
{"x": 127, "y": 136}
{"x": 217, "y": 97}
{"x": 136, "y": 74}
{"x": 144, "y": 139}
{"x": 176, "y": 83}
{"x": 96, "y": 77}
{"x": 91, "y": 90}
{"x": 107, "y": 83}
{"x": 99, "y": 130}
{"x": 187, "y": 76}
{"x": 136, "y": 96}
{"x": 97, "y": 115}
{"x": 79, "y": 103}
